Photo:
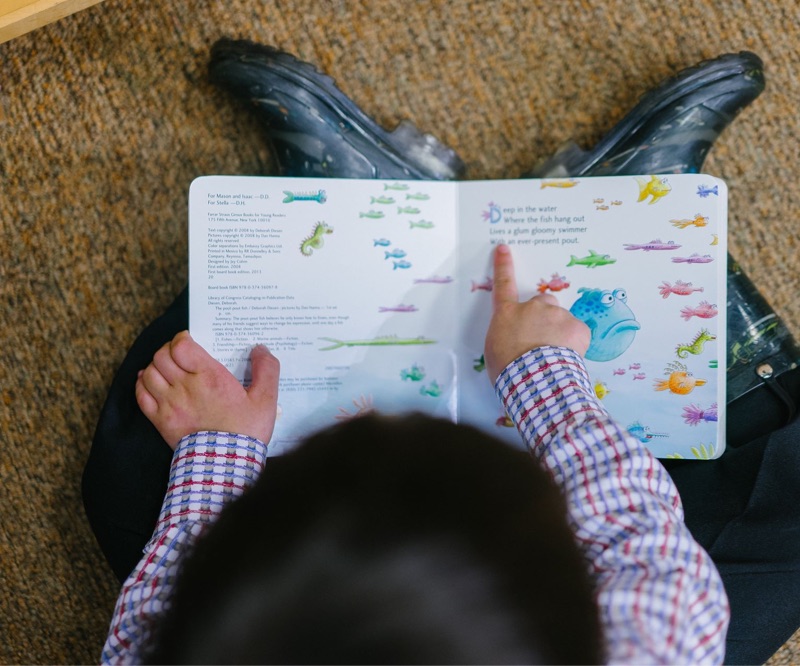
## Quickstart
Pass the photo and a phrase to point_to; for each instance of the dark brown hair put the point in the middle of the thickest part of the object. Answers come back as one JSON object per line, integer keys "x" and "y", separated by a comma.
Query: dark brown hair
{"x": 388, "y": 540}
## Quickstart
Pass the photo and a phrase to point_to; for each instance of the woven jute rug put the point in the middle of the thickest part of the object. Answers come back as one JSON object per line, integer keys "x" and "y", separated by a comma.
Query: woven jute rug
{"x": 106, "y": 117}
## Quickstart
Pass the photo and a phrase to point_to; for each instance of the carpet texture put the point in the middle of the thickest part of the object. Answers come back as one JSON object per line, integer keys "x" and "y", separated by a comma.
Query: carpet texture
{"x": 107, "y": 116}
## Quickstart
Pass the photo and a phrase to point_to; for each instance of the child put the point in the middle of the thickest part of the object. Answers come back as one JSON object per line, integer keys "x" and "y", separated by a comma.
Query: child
{"x": 456, "y": 550}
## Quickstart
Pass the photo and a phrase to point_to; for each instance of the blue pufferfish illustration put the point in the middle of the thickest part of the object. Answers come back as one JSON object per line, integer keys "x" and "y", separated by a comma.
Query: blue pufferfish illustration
{"x": 611, "y": 322}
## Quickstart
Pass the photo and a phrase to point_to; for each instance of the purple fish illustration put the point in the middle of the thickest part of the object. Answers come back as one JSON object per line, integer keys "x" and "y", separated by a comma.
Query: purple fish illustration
{"x": 656, "y": 244}
{"x": 694, "y": 259}
{"x": 634, "y": 366}
{"x": 693, "y": 414}
{"x": 619, "y": 371}
{"x": 639, "y": 375}
{"x": 398, "y": 308}
{"x": 435, "y": 279}
{"x": 486, "y": 285}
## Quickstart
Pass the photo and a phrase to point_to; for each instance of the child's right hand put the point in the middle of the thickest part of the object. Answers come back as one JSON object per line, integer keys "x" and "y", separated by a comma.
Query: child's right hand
{"x": 516, "y": 328}
{"x": 184, "y": 390}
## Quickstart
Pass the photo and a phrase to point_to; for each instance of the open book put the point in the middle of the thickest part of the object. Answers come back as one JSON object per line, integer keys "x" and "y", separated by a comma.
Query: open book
{"x": 376, "y": 294}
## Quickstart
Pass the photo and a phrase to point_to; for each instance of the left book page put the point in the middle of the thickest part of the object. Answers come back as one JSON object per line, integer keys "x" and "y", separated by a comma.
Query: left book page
{"x": 349, "y": 283}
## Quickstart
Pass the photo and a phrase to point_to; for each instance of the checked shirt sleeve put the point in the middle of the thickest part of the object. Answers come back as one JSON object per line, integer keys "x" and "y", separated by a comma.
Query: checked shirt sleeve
{"x": 209, "y": 469}
{"x": 660, "y": 596}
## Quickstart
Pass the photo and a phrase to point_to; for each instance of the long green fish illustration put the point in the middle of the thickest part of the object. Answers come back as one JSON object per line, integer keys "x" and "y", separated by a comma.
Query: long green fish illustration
{"x": 383, "y": 341}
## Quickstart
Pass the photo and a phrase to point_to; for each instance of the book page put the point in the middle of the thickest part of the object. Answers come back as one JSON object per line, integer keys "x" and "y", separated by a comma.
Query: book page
{"x": 642, "y": 260}
{"x": 349, "y": 283}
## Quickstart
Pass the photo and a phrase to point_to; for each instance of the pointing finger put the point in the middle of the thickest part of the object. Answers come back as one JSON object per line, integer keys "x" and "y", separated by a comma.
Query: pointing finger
{"x": 505, "y": 282}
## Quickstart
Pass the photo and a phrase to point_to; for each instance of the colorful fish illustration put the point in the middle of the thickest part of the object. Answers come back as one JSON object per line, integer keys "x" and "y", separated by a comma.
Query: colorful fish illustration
{"x": 634, "y": 366}
{"x": 704, "y": 311}
{"x": 415, "y": 373}
{"x": 418, "y": 196}
{"x": 396, "y": 186}
{"x": 504, "y": 421}
{"x": 602, "y": 207}
{"x": 656, "y": 187}
{"x": 695, "y": 346}
{"x": 679, "y": 380}
{"x": 598, "y": 201}
{"x": 383, "y": 199}
{"x": 494, "y": 214}
{"x": 656, "y": 244}
{"x": 643, "y": 433}
{"x": 316, "y": 240}
{"x": 396, "y": 253}
{"x": 479, "y": 364}
{"x": 486, "y": 285}
{"x": 612, "y": 323}
{"x": 435, "y": 279}
{"x": 373, "y": 214}
{"x": 559, "y": 182}
{"x": 408, "y": 209}
{"x": 421, "y": 224}
{"x": 382, "y": 242}
{"x": 703, "y": 191}
{"x": 592, "y": 260}
{"x": 694, "y": 414}
{"x": 398, "y": 308}
{"x": 601, "y": 390}
{"x": 401, "y": 264}
{"x": 639, "y": 375}
{"x": 363, "y": 405}
{"x": 382, "y": 341}
{"x": 319, "y": 196}
{"x": 697, "y": 221}
{"x": 555, "y": 283}
{"x": 433, "y": 389}
{"x": 694, "y": 259}
{"x": 616, "y": 203}
{"x": 680, "y": 288}
{"x": 619, "y": 371}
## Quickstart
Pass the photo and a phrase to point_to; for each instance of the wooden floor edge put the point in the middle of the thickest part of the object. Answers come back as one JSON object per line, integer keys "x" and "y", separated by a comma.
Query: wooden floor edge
{"x": 36, "y": 13}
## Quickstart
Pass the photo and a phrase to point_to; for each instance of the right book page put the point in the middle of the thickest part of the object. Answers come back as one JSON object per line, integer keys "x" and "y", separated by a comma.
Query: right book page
{"x": 642, "y": 261}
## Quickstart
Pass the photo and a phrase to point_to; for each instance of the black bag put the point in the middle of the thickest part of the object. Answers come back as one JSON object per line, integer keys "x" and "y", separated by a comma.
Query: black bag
{"x": 763, "y": 377}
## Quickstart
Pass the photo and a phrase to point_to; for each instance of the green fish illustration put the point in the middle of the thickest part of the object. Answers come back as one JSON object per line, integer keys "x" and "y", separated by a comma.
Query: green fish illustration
{"x": 433, "y": 390}
{"x": 382, "y": 200}
{"x": 372, "y": 214}
{"x": 383, "y": 341}
{"x": 592, "y": 260}
{"x": 414, "y": 373}
{"x": 318, "y": 196}
{"x": 395, "y": 186}
{"x": 422, "y": 224}
{"x": 408, "y": 209}
{"x": 419, "y": 196}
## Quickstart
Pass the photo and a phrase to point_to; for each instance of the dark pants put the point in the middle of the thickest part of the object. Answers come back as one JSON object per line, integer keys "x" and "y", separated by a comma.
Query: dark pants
{"x": 744, "y": 508}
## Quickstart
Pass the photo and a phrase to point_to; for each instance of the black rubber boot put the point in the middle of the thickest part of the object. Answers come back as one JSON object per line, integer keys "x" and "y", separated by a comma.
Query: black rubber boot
{"x": 314, "y": 129}
{"x": 673, "y": 126}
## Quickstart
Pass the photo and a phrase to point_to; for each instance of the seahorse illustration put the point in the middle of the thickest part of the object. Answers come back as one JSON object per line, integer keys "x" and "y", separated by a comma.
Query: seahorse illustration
{"x": 315, "y": 240}
{"x": 696, "y": 345}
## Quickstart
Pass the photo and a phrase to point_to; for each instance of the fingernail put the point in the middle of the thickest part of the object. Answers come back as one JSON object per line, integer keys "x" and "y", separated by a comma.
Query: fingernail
{"x": 503, "y": 249}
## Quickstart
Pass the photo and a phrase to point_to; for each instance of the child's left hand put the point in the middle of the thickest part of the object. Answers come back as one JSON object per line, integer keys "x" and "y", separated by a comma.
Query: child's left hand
{"x": 184, "y": 390}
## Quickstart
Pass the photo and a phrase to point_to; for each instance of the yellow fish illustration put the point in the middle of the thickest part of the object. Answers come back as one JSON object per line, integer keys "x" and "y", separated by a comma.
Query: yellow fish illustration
{"x": 601, "y": 390}
{"x": 655, "y": 187}
{"x": 559, "y": 182}
{"x": 697, "y": 221}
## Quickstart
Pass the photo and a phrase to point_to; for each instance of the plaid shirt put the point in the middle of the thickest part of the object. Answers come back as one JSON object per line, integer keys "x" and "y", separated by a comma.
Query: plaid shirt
{"x": 660, "y": 597}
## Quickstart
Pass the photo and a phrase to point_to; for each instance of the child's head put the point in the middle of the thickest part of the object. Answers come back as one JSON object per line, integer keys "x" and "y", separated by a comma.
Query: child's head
{"x": 388, "y": 540}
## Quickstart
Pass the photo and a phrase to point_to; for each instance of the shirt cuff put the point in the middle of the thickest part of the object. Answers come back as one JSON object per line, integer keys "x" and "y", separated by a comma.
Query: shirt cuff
{"x": 209, "y": 469}
{"x": 547, "y": 390}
